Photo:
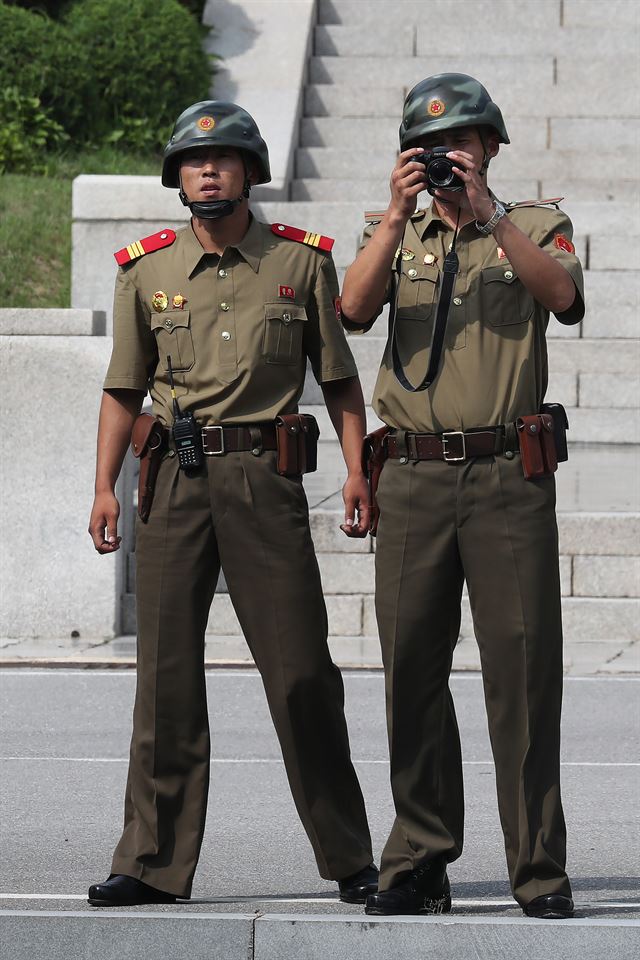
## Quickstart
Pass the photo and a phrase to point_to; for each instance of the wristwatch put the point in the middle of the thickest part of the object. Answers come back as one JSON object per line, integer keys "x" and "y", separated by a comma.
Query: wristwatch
{"x": 488, "y": 228}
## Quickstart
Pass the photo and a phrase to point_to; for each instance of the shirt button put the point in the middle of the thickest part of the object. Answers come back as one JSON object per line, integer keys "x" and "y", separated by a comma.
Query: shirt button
{"x": 286, "y": 318}
{"x": 226, "y": 335}
{"x": 412, "y": 273}
{"x": 224, "y": 306}
{"x": 168, "y": 323}
{"x": 457, "y": 301}
{"x": 509, "y": 454}
{"x": 508, "y": 274}
{"x": 222, "y": 273}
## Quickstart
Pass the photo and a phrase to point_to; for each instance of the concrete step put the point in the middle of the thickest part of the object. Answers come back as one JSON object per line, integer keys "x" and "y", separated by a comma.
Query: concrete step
{"x": 188, "y": 934}
{"x": 416, "y": 39}
{"x": 536, "y": 133}
{"x": 497, "y": 74}
{"x": 374, "y": 195}
{"x": 544, "y": 15}
{"x": 350, "y": 98}
{"x": 542, "y": 164}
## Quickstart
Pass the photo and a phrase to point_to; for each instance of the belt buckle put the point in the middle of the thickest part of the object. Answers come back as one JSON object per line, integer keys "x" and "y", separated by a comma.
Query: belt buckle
{"x": 446, "y": 439}
{"x": 205, "y": 437}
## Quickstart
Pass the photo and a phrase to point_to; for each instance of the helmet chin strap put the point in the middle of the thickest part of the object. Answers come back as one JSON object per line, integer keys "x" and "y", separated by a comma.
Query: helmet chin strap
{"x": 215, "y": 209}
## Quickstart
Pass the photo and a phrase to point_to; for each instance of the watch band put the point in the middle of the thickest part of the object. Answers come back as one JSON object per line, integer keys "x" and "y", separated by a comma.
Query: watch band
{"x": 498, "y": 213}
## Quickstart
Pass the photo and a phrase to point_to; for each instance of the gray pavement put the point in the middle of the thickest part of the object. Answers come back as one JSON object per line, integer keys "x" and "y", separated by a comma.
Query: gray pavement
{"x": 63, "y": 767}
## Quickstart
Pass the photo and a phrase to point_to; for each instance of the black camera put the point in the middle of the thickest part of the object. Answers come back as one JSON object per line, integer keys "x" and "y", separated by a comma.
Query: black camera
{"x": 439, "y": 170}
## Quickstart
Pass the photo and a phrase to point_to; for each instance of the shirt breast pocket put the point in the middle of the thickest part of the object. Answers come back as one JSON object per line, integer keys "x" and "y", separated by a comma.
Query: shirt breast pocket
{"x": 283, "y": 333}
{"x": 172, "y": 330}
{"x": 417, "y": 294}
{"x": 505, "y": 299}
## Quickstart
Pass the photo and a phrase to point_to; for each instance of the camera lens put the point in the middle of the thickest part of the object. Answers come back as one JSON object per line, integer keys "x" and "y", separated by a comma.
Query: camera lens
{"x": 440, "y": 172}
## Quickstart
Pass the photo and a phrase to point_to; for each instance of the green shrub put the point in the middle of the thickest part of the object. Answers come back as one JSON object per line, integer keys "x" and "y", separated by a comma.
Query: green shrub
{"x": 27, "y": 132}
{"x": 148, "y": 63}
{"x": 38, "y": 57}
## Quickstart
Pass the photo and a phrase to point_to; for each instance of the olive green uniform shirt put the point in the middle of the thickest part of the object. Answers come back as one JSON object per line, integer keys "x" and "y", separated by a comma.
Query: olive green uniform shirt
{"x": 240, "y": 340}
{"x": 493, "y": 367}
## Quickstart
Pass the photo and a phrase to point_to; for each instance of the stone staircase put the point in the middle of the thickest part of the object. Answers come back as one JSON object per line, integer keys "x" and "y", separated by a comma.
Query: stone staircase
{"x": 568, "y": 84}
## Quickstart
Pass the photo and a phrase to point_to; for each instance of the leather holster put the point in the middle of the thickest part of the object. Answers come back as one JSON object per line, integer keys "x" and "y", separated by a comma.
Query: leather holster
{"x": 374, "y": 454}
{"x": 537, "y": 446}
{"x": 148, "y": 441}
{"x": 297, "y": 443}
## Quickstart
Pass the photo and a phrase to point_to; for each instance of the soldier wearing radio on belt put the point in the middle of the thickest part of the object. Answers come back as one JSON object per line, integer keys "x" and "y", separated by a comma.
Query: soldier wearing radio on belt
{"x": 466, "y": 492}
{"x": 217, "y": 321}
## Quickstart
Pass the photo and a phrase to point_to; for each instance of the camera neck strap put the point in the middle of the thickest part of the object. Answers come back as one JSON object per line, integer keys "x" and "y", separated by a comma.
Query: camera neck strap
{"x": 449, "y": 273}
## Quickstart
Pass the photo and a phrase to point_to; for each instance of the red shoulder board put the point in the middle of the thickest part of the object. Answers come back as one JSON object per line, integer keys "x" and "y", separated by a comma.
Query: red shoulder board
{"x": 303, "y": 236}
{"x": 147, "y": 245}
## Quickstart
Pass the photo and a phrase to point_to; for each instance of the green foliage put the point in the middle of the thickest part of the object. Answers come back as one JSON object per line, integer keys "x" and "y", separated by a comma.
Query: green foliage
{"x": 148, "y": 64}
{"x": 27, "y": 132}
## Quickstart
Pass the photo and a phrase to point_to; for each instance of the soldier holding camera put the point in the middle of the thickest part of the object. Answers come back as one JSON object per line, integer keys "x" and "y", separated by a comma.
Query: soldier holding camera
{"x": 467, "y": 492}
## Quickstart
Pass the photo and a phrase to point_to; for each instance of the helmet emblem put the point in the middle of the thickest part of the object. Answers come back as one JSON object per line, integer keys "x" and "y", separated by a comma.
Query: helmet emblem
{"x": 206, "y": 123}
{"x": 435, "y": 108}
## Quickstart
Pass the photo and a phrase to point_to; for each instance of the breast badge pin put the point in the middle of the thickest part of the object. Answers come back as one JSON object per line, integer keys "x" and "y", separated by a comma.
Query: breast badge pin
{"x": 408, "y": 254}
{"x": 178, "y": 302}
{"x": 430, "y": 259}
{"x": 159, "y": 301}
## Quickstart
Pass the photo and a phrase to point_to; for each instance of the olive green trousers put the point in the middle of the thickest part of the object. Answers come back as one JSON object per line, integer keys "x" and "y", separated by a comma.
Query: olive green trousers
{"x": 440, "y": 524}
{"x": 239, "y": 513}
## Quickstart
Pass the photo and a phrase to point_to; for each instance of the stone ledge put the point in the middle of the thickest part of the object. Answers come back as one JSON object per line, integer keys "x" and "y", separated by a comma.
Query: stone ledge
{"x": 38, "y": 322}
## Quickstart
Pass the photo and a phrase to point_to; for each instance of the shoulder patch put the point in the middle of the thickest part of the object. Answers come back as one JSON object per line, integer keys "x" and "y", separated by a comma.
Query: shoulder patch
{"x": 553, "y": 201}
{"x": 147, "y": 245}
{"x": 316, "y": 240}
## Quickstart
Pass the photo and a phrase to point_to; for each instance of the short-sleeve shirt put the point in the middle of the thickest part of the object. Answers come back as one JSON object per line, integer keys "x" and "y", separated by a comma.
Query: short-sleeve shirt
{"x": 494, "y": 365}
{"x": 238, "y": 328}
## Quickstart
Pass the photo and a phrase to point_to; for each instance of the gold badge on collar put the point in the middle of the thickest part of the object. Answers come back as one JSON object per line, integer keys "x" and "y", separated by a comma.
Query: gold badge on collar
{"x": 178, "y": 302}
{"x": 159, "y": 301}
{"x": 430, "y": 259}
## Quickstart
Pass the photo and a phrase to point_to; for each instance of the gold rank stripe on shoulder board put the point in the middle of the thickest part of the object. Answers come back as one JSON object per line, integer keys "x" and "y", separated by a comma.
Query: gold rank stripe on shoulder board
{"x": 317, "y": 240}
{"x": 553, "y": 201}
{"x": 137, "y": 249}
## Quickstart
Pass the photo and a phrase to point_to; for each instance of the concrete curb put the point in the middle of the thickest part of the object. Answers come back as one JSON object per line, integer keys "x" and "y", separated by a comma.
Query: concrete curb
{"x": 75, "y": 935}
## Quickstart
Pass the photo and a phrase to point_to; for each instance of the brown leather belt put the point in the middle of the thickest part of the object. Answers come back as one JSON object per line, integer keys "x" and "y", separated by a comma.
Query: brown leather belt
{"x": 453, "y": 446}
{"x": 216, "y": 441}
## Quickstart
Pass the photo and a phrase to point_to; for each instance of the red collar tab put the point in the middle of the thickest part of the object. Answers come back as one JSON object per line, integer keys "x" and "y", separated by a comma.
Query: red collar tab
{"x": 303, "y": 236}
{"x": 147, "y": 245}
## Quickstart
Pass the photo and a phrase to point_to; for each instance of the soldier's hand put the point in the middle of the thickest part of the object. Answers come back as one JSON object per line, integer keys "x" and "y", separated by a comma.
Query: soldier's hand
{"x": 475, "y": 186}
{"x": 355, "y": 494}
{"x": 103, "y": 524}
{"x": 407, "y": 181}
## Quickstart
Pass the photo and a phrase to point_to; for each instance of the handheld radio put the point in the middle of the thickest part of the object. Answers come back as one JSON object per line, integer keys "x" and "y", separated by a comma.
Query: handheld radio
{"x": 186, "y": 432}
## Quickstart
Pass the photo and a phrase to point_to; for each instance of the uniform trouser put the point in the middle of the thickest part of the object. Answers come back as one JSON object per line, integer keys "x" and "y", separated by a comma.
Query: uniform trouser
{"x": 480, "y": 520}
{"x": 238, "y": 513}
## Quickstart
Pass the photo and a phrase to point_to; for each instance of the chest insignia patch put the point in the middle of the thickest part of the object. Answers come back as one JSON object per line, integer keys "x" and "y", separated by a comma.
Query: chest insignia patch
{"x": 430, "y": 259}
{"x": 563, "y": 243}
{"x": 286, "y": 291}
{"x": 303, "y": 236}
{"x": 501, "y": 254}
{"x": 147, "y": 245}
{"x": 178, "y": 302}
{"x": 159, "y": 301}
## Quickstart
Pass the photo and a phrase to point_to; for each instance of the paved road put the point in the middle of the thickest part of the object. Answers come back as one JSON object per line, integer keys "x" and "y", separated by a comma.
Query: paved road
{"x": 63, "y": 766}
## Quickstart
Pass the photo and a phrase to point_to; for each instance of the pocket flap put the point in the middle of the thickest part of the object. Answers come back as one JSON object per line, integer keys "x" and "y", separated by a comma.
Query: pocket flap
{"x": 501, "y": 274}
{"x": 169, "y": 319}
{"x": 419, "y": 271}
{"x": 285, "y": 312}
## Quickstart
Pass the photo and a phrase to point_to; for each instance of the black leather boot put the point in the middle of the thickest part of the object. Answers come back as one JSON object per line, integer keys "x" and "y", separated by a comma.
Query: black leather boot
{"x": 121, "y": 891}
{"x": 552, "y": 907}
{"x": 357, "y": 887}
{"x": 425, "y": 890}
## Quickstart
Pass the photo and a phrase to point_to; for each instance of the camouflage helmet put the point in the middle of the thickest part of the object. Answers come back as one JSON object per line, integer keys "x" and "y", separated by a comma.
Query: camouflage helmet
{"x": 214, "y": 123}
{"x": 445, "y": 101}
